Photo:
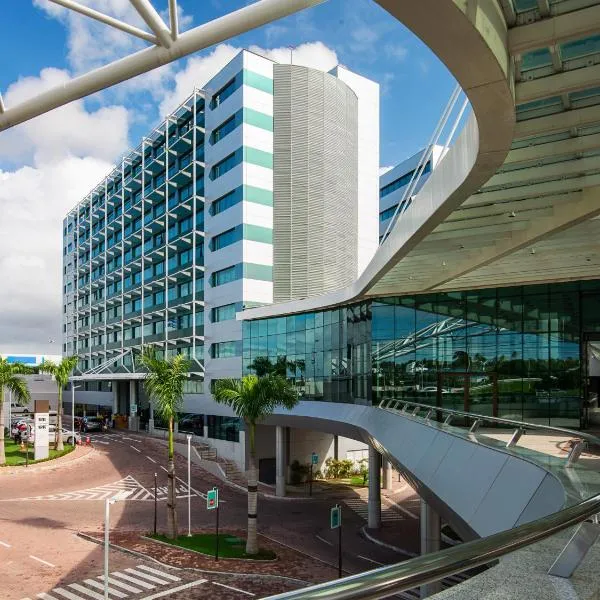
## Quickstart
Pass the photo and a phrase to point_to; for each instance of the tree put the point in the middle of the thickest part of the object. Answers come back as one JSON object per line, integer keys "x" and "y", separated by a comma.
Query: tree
{"x": 10, "y": 380}
{"x": 61, "y": 372}
{"x": 164, "y": 386}
{"x": 253, "y": 398}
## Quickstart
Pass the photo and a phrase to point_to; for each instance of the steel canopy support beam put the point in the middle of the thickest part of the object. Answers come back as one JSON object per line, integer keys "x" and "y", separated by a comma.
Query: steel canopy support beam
{"x": 579, "y": 117}
{"x": 564, "y": 216}
{"x": 154, "y": 21}
{"x": 107, "y": 20}
{"x": 240, "y": 21}
{"x": 174, "y": 21}
{"x": 562, "y": 147}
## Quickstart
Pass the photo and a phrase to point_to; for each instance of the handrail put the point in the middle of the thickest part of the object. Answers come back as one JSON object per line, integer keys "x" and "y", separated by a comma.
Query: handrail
{"x": 588, "y": 437}
{"x": 382, "y": 582}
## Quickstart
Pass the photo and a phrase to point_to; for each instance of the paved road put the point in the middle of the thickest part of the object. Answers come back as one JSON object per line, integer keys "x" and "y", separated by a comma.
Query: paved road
{"x": 42, "y": 511}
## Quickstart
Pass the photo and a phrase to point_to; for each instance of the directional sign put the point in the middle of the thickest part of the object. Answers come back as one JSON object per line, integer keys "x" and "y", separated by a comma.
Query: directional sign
{"x": 212, "y": 499}
{"x": 315, "y": 459}
{"x": 335, "y": 516}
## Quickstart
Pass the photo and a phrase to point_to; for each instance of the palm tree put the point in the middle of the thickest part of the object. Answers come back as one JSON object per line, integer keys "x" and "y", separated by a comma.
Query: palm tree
{"x": 61, "y": 372}
{"x": 252, "y": 399}
{"x": 10, "y": 380}
{"x": 164, "y": 386}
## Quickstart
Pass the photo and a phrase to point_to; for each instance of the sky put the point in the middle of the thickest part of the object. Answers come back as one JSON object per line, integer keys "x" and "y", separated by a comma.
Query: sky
{"x": 48, "y": 164}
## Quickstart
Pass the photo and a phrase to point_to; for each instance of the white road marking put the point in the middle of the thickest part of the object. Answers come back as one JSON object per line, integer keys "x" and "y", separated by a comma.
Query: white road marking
{"x": 151, "y": 459}
{"x": 66, "y": 594}
{"x": 324, "y": 540}
{"x": 193, "y": 490}
{"x": 100, "y": 586}
{"x": 45, "y": 562}
{"x": 134, "y": 580}
{"x": 229, "y": 587}
{"x": 375, "y": 562}
{"x": 120, "y": 584}
{"x": 44, "y": 596}
{"x": 157, "y": 572}
{"x": 82, "y": 590}
{"x": 5, "y": 545}
{"x": 147, "y": 576}
{"x": 136, "y": 449}
{"x": 175, "y": 589}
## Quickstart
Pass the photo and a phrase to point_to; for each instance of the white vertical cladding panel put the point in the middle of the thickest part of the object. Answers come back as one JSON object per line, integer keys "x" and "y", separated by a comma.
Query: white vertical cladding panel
{"x": 367, "y": 92}
{"x": 258, "y": 214}
{"x": 256, "y": 137}
{"x": 258, "y": 100}
{"x": 258, "y": 291}
{"x": 258, "y": 253}
{"x": 315, "y": 183}
{"x": 259, "y": 177}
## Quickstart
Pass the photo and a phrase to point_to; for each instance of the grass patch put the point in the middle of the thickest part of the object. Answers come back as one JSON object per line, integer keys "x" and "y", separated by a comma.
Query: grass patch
{"x": 16, "y": 457}
{"x": 229, "y": 546}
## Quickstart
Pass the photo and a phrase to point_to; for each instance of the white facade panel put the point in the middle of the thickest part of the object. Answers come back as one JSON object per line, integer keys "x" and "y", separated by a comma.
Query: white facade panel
{"x": 256, "y": 137}
{"x": 258, "y": 64}
{"x": 258, "y": 100}
{"x": 258, "y": 253}
{"x": 258, "y": 214}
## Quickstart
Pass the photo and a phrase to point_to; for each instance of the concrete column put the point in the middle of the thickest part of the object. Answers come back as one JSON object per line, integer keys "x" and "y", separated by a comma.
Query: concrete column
{"x": 336, "y": 447}
{"x": 430, "y": 542}
{"x": 280, "y": 462}
{"x": 387, "y": 474}
{"x": 133, "y": 420}
{"x": 151, "y": 417}
{"x": 115, "y": 397}
{"x": 374, "y": 520}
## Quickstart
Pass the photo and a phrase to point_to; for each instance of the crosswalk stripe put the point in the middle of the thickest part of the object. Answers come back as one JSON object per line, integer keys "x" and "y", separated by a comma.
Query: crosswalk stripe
{"x": 157, "y": 572}
{"x": 121, "y": 584}
{"x": 100, "y": 586}
{"x": 66, "y": 594}
{"x": 79, "y": 588}
{"x": 44, "y": 596}
{"x": 147, "y": 576}
{"x": 148, "y": 586}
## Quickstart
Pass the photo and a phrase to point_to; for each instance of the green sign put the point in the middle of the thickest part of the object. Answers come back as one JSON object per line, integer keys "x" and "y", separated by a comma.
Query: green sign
{"x": 212, "y": 499}
{"x": 335, "y": 517}
{"x": 315, "y": 459}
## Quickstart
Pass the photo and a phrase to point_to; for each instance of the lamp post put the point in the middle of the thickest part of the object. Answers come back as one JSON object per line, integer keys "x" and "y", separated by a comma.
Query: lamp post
{"x": 189, "y": 441}
{"x": 73, "y": 388}
{"x": 118, "y": 497}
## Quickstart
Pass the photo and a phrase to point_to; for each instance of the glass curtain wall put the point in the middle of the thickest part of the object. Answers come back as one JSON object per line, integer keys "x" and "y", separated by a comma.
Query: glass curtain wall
{"x": 512, "y": 352}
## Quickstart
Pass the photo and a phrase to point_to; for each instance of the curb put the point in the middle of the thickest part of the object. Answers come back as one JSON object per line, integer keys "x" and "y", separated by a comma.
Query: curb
{"x": 374, "y": 540}
{"x": 137, "y": 554}
{"x": 43, "y": 465}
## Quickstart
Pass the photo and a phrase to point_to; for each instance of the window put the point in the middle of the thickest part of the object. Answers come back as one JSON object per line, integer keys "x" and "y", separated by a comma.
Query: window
{"x": 227, "y": 90}
{"x": 224, "y": 428}
{"x": 226, "y": 127}
{"x": 401, "y": 181}
{"x": 227, "y": 201}
{"x": 226, "y": 275}
{"x": 228, "y": 163}
{"x": 231, "y": 236}
{"x": 386, "y": 214}
{"x": 223, "y": 313}
{"x": 185, "y": 289}
{"x": 226, "y": 349}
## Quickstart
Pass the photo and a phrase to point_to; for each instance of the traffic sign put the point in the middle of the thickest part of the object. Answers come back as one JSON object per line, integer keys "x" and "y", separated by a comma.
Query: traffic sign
{"x": 335, "y": 516}
{"x": 315, "y": 459}
{"x": 212, "y": 499}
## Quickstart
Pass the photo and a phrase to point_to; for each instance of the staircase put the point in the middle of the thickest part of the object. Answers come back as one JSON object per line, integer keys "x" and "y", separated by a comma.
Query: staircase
{"x": 229, "y": 468}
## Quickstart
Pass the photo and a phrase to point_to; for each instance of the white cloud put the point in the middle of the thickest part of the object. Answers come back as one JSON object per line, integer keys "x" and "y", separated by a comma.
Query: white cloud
{"x": 66, "y": 131}
{"x": 200, "y": 69}
{"x": 396, "y": 51}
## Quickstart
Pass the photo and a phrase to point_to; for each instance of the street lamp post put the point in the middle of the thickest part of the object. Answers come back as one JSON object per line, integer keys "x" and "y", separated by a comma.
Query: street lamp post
{"x": 73, "y": 388}
{"x": 189, "y": 441}
{"x": 119, "y": 496}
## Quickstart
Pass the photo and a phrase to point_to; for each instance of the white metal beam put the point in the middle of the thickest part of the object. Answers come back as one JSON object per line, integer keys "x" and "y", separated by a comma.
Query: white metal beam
{"x": 563, "y": 217}
{"x": 174, "y": 20}
{"x": 558, "y": 148}
{"x": 559, "y": 29}
{"x": 154, "y": 21}
{"x": 240, "y": 21}
{"x": 555, "y": 85}
{"x": 106, "y": 19}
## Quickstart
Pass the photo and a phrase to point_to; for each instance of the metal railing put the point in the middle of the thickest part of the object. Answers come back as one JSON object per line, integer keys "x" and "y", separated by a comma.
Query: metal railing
{"x": 411, "y": 408}
{"x": 386, "y": 581}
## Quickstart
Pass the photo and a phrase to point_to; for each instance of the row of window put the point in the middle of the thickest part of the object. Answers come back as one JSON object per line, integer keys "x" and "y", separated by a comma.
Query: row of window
{"x": 239, "y": 271}
{"x": 401, "y": 181}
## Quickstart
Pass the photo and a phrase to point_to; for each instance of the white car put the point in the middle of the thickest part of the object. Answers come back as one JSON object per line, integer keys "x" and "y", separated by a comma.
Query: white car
{"x": 66, "y": 434}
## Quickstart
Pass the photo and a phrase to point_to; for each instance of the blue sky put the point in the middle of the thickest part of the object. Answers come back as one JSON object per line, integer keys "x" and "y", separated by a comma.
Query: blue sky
{"x": 48, "y": 164}
{"x": 415, "y": 85}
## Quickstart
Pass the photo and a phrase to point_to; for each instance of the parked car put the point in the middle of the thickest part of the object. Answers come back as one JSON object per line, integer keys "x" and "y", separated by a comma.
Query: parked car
{"x": 66, "y": 434}
{"x": 86, "y": 424}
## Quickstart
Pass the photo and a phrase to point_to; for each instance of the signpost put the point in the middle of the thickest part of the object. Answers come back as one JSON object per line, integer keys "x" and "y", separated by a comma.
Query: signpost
{"x": 189, "y": 485}
{"x": 335, "y": 522}
{"x": 212, "y": 503}
{"x": 314, "y": 460}
{"x": 155, "y": 502}
{"x": 41, "y": 439}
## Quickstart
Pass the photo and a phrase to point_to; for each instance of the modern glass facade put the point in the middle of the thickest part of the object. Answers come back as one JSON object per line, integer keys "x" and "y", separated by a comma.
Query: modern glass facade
{"x": 515, "y": 352}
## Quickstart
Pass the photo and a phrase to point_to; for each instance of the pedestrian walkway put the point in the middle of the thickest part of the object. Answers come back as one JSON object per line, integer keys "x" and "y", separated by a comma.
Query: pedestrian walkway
{"x": 139, "y": 583}
{"x": 359, "y": 504}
